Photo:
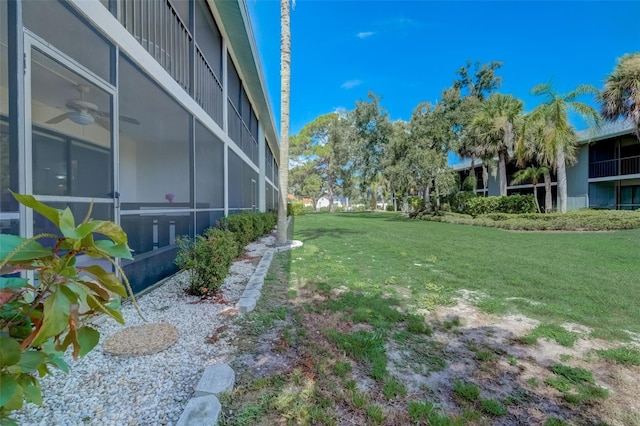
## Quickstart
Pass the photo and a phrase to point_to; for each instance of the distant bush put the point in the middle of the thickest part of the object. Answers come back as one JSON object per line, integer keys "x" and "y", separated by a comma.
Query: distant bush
{"x": 389, "y": 207}
{"x": 415, "y": 204}
{"x": 503, "y": 204}
{"x": 207, "y": 258}
{"x": 583, "y": 220}
{"x": 295, "y": 208}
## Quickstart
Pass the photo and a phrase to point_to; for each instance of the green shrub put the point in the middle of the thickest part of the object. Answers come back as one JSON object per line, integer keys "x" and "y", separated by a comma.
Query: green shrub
{"x": 504, "y": 204}
{"x": 248, "y": 226}
{"x": 416, "y": 204}
{"x": 583, "y": 220}
{"x": 207, "y": 258}
{"x": 295, "y": 208}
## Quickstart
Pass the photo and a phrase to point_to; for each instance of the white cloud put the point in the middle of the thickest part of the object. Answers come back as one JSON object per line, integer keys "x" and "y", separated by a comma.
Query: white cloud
{"x": 365, "y": 34}
{"x": 350, "y": 84}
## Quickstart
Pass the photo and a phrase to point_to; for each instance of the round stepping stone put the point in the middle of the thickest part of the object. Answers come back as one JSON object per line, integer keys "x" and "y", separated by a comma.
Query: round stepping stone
{"x": 145, "y": 339}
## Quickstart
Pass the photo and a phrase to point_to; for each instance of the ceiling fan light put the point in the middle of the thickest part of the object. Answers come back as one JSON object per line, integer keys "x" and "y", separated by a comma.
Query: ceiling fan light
{"x": 82, "y": 118}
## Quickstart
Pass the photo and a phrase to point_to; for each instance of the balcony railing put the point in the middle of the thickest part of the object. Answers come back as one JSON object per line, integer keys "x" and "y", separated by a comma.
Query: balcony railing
{"x": 241, "y": 135}
{"x": 158, "y": 28}
{"x": 207, "y": 90}
{"x": 615, "y": 167}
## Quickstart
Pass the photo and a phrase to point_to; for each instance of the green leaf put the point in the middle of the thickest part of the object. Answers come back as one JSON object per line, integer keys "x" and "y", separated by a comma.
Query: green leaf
{"x": 31, "y": 250}
{"x": 13, "y": 282}
{"x": 32, "y": 391}
{"x": 114, "y": 250}
{"x": 88, "y": 339}
{"x": 9, "y": 352}
{"x": 31, "y": 360}
{"x": 89, "y": 227}
{"x": 54, "y": 357}
{"x": 55, "y": 314}
{"x": 49, "y": 212}
{"x": 68, "y": 223}
{"x": 108, "y": 308}
{"x": 107, "y": 279}
{"x": 113, "y": 231}
{"x": 10, "y": 393}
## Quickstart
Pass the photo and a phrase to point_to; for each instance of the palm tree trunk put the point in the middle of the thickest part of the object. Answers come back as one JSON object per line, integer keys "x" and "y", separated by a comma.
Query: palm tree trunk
{"x": 548, "y": 201}
{"x": 485, "y": 176}
{"x": 562, "y": 181}
{"x": 535, "y": 196}
{"x": 472, "y": 173}
{"x": 502, "y": 170}
{"x": 285, "y": 94}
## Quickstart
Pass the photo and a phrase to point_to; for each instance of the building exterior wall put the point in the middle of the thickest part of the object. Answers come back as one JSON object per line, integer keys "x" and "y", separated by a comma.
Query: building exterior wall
{"x": 578, "y": 181}
{"x": 128, "y": 104}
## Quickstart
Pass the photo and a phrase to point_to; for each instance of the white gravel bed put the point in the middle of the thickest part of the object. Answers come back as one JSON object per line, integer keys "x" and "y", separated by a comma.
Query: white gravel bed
{"x": 103, "y": 389}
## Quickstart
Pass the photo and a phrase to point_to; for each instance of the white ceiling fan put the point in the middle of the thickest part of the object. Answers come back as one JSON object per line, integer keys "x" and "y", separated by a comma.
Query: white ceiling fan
{"x": 84, "y": 113}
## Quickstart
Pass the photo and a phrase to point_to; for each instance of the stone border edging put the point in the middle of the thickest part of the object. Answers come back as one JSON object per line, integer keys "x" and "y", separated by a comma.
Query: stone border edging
{"x": 203, "y": 409}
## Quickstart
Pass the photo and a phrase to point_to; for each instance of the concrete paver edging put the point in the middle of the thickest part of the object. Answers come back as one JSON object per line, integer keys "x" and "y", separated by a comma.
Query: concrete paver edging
{"x": 204, "y": 408}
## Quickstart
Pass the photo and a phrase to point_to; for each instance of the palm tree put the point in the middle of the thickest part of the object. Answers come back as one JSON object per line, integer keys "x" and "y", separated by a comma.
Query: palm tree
{"x": 558, "y": 137}
{"x": 285, "y": 94}
{"x": 533, "y": 174}
{"x": 494, "y": 128}
{"x": 621, "y": 94}
{"x": 529, "y": 149}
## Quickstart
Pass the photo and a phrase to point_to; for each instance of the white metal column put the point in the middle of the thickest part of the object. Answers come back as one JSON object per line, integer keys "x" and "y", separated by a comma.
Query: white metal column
{"x": 262, "y": 202}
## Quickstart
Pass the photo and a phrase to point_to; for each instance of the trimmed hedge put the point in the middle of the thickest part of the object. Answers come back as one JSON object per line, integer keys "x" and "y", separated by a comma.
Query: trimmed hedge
{"x": 503, "y": 204}
{"x": 208, "y": 258}
{"x": 248, "y": 226}
{"x": 583, "y": 220}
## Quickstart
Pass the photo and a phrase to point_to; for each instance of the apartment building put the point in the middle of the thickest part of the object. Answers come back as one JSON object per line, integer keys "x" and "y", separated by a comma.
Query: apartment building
{"x": 154, "y": 110}
{"x": 606, "y": 174}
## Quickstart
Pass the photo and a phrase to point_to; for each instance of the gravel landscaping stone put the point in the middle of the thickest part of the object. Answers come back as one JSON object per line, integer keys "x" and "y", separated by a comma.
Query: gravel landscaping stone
{"x": 154, "y": 389}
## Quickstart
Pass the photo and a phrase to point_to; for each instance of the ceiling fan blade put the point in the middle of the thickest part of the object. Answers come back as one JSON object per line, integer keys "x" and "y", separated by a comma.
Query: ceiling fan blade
{"x": 56, "y": 120}
{"x": 122, "y": 118}
{"x": 129, "y": 119}
{"x": 105, "y": 124}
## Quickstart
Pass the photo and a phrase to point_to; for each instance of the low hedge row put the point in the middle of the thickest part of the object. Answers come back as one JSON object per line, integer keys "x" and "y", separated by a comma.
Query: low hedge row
{"x": 208, "y": 257}
{"x": 476, "y": 206}
{"x": 583, "y": 220}
{"x": 248, "y": 226}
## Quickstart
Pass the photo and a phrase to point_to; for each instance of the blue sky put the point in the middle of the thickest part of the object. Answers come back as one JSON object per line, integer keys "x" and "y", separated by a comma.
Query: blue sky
{"x": 408, "y": 51}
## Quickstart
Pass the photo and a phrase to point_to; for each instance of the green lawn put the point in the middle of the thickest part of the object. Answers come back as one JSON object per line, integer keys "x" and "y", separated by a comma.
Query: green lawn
{"x": 588, "y": 278}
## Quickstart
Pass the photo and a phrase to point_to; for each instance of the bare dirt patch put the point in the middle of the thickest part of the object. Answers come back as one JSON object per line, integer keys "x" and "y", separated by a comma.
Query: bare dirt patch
{"x": 466, "y": 346}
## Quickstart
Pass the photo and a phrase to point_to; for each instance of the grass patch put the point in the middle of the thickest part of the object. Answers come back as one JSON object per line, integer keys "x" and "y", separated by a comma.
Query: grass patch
{"x": 373, "y": 253}
{"x": 371, "y": 309}
{"x": 576, "y": 384}
{"x": 375, "y": 414}
{"x": 364, "y": 346}
{"x": 416, "y": 325}
{"x": 393, "y": 389}
{"x": 556, "y": 332}
{"x": 493, "y": 407}
{"x": 554, "y": 421}
{"x": 421, "y": 412}
{"x": 623, "y": 356}
{"x": 468, "y": 391}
